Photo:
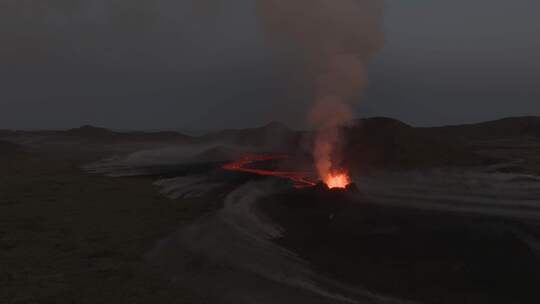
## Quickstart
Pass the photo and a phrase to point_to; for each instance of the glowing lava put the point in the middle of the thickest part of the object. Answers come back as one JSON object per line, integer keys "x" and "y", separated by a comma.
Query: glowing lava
{"x": 337, "y": 180}
{"x": 334, "y": 180}
{"x": 300, "y": 179}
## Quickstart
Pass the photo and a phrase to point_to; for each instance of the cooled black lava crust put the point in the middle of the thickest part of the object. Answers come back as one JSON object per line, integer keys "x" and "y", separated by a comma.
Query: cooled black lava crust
{"x": 426, "y": 256}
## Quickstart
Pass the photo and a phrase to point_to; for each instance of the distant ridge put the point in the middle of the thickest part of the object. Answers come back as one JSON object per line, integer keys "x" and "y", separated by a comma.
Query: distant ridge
{"x": 375, "y": 142}
{"x": 96, "y": 133}
{"x": 510, "y": 126}
{"x": 386, "y": 142}
{"x": 271, "y": 135}
{"x": 90, "y": 131}
{"x": 500, "y": 128}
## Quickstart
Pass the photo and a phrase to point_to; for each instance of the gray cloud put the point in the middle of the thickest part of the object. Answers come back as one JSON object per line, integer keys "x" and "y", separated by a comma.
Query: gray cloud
{"x": 161, "y": 64}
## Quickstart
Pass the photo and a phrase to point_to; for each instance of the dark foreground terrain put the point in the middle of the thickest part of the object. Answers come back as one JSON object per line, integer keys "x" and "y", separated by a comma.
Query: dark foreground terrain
{"x": 443, "y": 215}
{"x": 67, "y": 237}
{"x": 413, "y": 254}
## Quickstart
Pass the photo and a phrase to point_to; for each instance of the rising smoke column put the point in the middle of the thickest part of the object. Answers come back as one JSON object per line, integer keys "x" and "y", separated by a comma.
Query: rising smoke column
{"x": 335, "y": 40}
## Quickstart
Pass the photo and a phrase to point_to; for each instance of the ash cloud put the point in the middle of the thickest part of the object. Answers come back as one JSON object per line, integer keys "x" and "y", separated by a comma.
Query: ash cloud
{"x": 331, "y": 41}
{"x": 334, "y": 39}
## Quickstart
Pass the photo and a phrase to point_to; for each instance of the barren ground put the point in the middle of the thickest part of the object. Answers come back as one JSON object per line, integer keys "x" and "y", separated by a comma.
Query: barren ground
{"x": 68, "y": 237}
{"x": 415, "y": 231}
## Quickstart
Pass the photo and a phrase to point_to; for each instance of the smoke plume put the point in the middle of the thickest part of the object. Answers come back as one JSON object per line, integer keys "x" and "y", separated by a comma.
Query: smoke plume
{"x": 332, "y": 40}
{"x": 335, "y": 39}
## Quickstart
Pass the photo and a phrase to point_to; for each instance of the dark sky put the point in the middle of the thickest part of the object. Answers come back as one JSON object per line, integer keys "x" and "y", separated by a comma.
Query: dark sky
{"x": 167, "y": 64}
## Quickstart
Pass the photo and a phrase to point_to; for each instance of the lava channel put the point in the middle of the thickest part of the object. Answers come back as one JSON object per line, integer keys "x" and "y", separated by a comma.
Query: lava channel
{"x": 300, "y": 179}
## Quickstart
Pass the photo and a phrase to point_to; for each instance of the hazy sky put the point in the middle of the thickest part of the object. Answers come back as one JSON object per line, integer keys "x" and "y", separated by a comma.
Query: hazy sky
{"x": 141, "y": 64}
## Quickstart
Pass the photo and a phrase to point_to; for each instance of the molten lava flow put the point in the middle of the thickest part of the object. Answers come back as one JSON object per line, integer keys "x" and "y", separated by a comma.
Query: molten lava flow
{"x": 339, "y": 180}
{"x": 300, "y": 179}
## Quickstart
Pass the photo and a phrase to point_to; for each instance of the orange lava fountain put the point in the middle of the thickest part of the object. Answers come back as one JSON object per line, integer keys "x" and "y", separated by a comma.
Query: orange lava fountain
{"x": 337, "y": 180}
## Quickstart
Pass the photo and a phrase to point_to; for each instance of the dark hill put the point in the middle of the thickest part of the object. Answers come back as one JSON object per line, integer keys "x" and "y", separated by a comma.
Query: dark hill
{"x": 385, "y": 142}
{"x": 88, "y": 131}
{"x": 527, "y": 126}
